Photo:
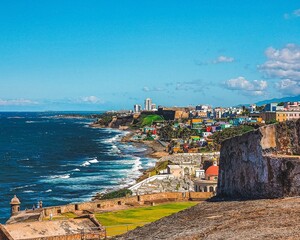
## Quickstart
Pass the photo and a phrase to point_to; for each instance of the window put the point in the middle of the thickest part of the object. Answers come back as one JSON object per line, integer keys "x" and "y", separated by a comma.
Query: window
{"x": 59, "y": 211}
{"x": 98, "y": 205}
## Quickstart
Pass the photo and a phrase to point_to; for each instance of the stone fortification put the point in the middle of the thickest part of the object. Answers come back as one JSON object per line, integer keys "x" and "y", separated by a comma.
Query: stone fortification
{"x": 102, "y": 205}
{"x": 264, "y": 163}
{"x": 195, "y": 158}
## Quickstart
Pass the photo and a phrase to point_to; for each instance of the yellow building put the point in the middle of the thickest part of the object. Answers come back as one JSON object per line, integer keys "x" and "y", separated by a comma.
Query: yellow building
{"x": 202, "y": 114}
{"x": 197, "y": 120}
{"x": 181, "y": 114}
{"x": 282, "y": 116}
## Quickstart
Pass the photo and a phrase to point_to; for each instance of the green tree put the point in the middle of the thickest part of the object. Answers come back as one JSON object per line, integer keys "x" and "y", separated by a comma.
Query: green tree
{"x": 166, "y": 132}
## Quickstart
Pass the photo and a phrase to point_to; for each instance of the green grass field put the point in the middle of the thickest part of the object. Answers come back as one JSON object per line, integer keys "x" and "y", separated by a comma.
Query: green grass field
{"x": 119, "y": 222}
{"x": 148, "y": 120}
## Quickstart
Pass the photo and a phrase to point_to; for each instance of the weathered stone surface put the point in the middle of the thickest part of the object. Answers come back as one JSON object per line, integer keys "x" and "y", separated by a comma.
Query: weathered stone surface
{"x": 266, "y": 219}
{"x": 262, "y": 163}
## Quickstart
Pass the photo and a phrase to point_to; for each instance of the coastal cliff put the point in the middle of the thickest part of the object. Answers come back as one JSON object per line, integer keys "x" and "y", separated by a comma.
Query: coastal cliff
{"x": 263, "y": 163}
{"x": 111, "y": 121}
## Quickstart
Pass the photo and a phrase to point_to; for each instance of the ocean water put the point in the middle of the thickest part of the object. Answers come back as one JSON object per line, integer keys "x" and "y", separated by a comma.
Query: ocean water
{"x": 60, "y": 160}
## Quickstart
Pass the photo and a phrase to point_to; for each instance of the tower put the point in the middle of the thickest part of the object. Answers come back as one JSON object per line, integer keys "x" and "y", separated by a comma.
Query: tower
{"x": 137, "y": 108}
{"x": 15, "y": 205}
{"x": 148, "y": 103}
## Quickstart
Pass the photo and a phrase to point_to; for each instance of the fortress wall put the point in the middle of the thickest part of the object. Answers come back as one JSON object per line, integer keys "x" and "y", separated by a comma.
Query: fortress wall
{"x": 4, "y": 235}
{"x": 78, "y": 236}
{"x": 190, "y": 157}
{"x": 135, "y": 200}
{"x": 200, "y": 196}
{"x": 262, "y": 163}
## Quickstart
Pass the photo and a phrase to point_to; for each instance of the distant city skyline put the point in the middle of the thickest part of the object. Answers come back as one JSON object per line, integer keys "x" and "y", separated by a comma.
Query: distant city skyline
{"x": 109, "y": 55}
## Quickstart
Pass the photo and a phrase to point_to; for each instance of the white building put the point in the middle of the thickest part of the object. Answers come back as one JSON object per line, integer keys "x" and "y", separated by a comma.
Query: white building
{"x": 148, "y": 104}
{"x": 153, "y": 107}
{"x": 137, "y": 108}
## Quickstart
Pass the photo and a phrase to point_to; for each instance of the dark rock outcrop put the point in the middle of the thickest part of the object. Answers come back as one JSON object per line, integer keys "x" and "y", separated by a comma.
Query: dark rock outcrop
{"x": 263, "y": 163}
{"x": 121, "y": 121}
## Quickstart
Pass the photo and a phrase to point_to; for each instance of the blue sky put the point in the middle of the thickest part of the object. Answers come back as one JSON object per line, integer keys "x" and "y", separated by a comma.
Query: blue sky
{"x": 102, "y": 55}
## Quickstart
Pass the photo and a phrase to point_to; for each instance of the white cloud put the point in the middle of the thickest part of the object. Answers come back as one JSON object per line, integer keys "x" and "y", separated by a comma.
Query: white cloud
{"x": 91, "y": 99}
{"x": 17, "y": 102}
{"x": 223, "y": 59}
{"x": 294, "y": 14}
{"x": 283, "y": 64}
{"x": 246, "y": 87}
{"x": 197, "y": 85}
{"x": 154, "y": 89}
{"x": 287, "y": 87}
{"x": 220, "y": 59}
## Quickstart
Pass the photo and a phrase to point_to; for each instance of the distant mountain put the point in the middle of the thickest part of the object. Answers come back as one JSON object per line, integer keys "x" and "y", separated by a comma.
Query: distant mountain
{"x": 285, "y": 99}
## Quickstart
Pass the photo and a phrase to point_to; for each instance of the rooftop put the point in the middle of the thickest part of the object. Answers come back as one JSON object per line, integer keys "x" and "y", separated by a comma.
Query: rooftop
{"x": 212, "y": 170}
{"x": 15, "y": 200}
{"x": 31, "y": 230}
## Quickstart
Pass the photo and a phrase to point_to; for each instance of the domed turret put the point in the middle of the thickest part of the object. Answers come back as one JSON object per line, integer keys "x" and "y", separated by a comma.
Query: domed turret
{"x": 15, "y": 205}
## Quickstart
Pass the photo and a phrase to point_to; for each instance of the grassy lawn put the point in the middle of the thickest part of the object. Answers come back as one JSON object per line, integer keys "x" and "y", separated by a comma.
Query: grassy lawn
{"x": 148, "y": 120}
{"x": 119, "y": 222}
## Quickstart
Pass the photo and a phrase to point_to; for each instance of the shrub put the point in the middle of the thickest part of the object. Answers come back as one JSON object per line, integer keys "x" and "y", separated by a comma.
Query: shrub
{"x": 117, "y": 194}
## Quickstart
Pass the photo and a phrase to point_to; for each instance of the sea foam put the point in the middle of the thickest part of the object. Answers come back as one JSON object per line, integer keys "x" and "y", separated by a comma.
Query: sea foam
{"x": 60, "y": 176}
{"x": 93, "y": 161}
{"x": 86, "y": 163}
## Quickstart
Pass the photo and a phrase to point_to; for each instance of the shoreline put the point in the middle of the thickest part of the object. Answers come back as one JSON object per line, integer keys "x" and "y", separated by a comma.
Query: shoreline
{"x": 154, "y": 150}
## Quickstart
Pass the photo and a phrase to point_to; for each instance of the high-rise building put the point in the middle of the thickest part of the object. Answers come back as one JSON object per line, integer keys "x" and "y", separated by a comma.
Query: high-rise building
{"x": 153, "y": 107}
{"x": 137, "y": 108}
{"x": 148, "y": 104}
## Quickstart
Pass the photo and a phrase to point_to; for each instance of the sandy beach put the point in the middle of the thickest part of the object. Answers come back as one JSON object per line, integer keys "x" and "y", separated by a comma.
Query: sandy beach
{"x": 154, "y": 149}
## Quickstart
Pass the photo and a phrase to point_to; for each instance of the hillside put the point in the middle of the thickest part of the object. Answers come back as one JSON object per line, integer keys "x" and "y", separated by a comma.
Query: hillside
{"x": 285, "y": 99}
{"x": 256, "y": 219}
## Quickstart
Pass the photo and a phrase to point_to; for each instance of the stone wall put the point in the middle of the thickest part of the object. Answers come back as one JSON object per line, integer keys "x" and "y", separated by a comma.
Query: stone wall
{"x": 263, "y": 163}
{"x": 190, "y": 157}
{"x": 79, "y": 236}
{"x": 98, "y": 205}
{"x": 4, "y": 235}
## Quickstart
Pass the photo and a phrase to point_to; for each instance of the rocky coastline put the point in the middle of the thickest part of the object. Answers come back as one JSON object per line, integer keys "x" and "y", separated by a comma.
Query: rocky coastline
{"x": 154, "y": 150}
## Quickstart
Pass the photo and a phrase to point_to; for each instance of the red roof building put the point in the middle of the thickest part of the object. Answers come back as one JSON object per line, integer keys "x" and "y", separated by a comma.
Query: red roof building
{"x": 212, "y": 172}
